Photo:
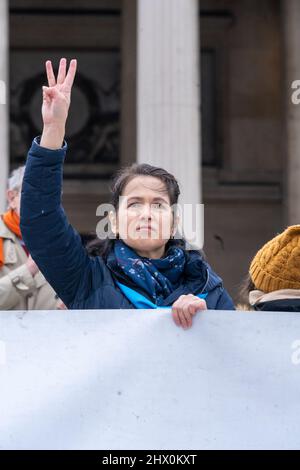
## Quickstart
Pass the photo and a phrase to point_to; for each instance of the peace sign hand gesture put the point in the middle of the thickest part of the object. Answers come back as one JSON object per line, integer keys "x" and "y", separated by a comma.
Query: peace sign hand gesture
{"x": 56, "y": 103}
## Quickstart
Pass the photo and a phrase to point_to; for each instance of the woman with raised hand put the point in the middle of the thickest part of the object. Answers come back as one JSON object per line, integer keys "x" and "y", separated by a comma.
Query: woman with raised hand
{"x": 143, "y": 266}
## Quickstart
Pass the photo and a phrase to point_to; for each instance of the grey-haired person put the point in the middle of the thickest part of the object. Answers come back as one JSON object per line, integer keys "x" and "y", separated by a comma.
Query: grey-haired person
{"x": 22, "y": 285}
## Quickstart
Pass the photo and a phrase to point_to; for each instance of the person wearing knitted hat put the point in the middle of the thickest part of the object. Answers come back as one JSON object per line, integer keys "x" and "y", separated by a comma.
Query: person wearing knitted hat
{"x": 274, "y": 273}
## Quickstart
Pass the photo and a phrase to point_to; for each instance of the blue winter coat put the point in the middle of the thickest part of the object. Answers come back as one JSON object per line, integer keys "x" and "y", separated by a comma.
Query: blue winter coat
{"x": 81, "y": 281}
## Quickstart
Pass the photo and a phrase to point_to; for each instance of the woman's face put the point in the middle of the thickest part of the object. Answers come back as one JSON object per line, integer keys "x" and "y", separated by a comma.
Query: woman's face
{"x": 144, "y": 220}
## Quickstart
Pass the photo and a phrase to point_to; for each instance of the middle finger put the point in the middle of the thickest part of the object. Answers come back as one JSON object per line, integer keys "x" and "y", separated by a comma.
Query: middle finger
{"x": 185, "y": 316}
{"x": 61, "y": 71}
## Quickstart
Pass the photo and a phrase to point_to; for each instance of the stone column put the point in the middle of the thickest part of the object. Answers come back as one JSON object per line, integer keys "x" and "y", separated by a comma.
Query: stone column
{"x": 168, "y": 91}
{"x": 3, "y": 101}
{"x": 291, "y": 156}
{"x": 129, "y": 78}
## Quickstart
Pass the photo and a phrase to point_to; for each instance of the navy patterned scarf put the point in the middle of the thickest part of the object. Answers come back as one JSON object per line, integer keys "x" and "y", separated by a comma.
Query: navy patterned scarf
{"x": 158, "y": 277}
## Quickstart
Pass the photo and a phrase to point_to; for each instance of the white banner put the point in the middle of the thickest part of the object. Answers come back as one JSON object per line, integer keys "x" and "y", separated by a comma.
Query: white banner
{"x": 118, "y": 379}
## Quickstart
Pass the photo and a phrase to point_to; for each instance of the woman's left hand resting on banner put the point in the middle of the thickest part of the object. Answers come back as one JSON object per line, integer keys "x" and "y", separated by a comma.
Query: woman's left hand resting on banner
{"x": 185, "y": 307}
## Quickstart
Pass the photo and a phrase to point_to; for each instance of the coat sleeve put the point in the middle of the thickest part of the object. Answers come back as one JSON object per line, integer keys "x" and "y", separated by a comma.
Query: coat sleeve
{"x": 225, "y": 302}
{"x": 53, "y": 243}
{"x": 15, "y": 286}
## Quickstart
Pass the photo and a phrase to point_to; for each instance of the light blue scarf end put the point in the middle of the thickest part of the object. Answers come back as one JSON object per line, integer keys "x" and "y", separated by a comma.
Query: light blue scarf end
{"x": 139, "y": 301}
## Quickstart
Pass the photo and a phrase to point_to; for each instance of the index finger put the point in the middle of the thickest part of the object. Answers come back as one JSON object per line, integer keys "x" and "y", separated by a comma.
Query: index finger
{"x": 71, "y": 74}
{"x": 50, "y": 74}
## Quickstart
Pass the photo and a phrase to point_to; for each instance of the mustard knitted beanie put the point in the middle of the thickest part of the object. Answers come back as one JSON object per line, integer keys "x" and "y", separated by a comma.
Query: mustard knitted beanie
{"x": 277, "y": 264}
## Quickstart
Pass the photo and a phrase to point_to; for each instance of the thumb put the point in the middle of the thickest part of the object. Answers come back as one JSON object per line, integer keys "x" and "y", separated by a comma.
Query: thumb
{"x": 49, "y": 92}
{"x": 45, "y": 90}
{"x": 199, "y": 304}
{"x": 46, "y": 96}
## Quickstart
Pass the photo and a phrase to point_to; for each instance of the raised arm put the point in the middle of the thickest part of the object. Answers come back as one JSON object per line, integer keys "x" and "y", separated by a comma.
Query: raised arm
{"x": 53, "y": 243}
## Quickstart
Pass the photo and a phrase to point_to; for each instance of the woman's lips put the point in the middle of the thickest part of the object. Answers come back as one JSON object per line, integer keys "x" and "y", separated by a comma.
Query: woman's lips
{"x": 145, "y": 227}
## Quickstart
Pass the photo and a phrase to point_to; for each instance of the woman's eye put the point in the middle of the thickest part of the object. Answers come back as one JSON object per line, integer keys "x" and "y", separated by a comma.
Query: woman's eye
{"x": 160, "y": 205}
{"x": 155, "y": 205}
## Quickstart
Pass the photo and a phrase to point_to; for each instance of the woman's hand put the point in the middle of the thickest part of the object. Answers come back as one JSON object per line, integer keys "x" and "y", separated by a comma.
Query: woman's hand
{"x": 32, "y": 267}
{"x": 61, "y": 306}
{"x": 56, "y": 103}
{"x": 185, "y": 307}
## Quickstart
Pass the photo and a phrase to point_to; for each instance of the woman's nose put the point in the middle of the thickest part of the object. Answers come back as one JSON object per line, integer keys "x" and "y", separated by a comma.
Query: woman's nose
{"x": 146, "y": 211}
